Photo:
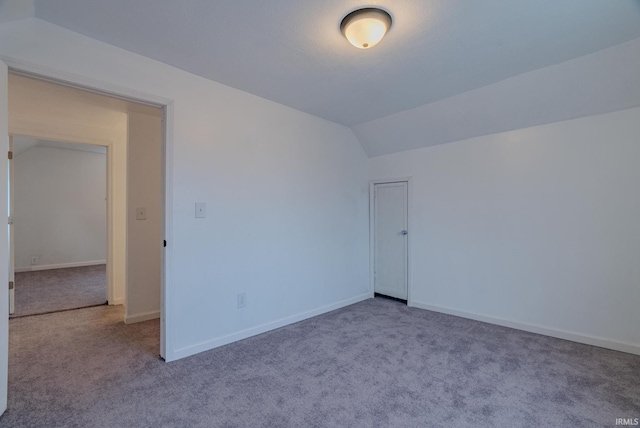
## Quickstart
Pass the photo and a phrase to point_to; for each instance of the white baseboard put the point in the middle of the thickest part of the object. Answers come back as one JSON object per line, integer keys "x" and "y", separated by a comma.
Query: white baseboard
{"x": 601, "y": 342}
{"x": 146, "y": 316}
{"x": 116, "y": 302}
{"x": 60, "y": 266}
{"x": 234, "y": 337}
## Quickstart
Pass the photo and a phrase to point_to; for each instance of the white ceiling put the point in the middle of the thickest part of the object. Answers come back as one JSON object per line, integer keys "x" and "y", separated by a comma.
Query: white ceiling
{"x": 292, "y": 52}
{"x": 448, "y": 69}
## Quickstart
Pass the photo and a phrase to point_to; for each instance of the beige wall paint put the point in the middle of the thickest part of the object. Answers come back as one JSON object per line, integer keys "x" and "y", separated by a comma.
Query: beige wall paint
{"x": 44, "y": 110}
{"x": 49, "y": 111}
{"x": 144, "y": 237}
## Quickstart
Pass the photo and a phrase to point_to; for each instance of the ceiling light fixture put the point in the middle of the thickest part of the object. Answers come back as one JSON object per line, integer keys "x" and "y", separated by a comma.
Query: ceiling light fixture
{"x": 364, "y": 28}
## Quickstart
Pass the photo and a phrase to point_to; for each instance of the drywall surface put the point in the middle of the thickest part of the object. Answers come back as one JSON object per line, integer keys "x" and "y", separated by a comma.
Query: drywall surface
{"x": 42, "y": 110}
{"x": 60, "y": 212}
{"x": 601, "y": 82}
{"x": 535, "y": 227}
{"x": 286, "y": 195}
{"x": 144, "y": 236}
{"x": 16, "y": 9}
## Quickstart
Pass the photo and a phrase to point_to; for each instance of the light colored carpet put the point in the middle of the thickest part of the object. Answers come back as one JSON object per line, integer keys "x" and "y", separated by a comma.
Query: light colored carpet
{"x": 374, "y": 364}
{"x": 43, "y": 291}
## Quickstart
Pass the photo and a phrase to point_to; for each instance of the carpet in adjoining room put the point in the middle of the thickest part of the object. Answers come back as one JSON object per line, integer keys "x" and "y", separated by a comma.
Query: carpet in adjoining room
{"x": 51, "y": 290}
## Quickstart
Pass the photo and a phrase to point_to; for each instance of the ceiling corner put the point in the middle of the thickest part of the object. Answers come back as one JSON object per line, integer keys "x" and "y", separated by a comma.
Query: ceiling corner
{"x": 12, "y": 10}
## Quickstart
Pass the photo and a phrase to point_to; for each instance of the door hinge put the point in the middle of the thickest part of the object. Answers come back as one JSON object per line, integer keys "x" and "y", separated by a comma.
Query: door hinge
{"x": 10, "y": 285}
{"x": 164, "y": 243}
{"x": 10, "y": 155}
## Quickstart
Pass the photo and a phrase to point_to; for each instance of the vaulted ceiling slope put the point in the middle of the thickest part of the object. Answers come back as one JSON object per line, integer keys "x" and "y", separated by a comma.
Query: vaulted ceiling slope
{"x": 292, "y": 51}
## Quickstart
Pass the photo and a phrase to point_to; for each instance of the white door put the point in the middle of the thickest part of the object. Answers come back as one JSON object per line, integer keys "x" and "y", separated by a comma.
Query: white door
{"x": 390, "y": 239}
{"x": 4, "y": 242}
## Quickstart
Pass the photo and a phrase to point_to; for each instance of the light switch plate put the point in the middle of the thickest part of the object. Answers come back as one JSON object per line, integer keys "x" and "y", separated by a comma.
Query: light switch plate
{"x": 201, "y": 210}
{"x": 242, "y": 300}
{"x": 141, "y": 213}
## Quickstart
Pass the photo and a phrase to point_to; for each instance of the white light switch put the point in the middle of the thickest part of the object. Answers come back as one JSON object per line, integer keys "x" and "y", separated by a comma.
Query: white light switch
{"x": 141, "y": 213}
{"x": 201, "y": 210}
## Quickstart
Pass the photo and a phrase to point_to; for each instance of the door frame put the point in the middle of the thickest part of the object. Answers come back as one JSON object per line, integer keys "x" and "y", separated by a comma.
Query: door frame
{"x": 11, "y": 230}
{"x": 372, "y": 218}
{"x": 129, "y": 94}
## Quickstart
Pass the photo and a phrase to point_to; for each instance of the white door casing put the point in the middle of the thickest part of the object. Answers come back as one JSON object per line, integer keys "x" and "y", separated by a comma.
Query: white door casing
{"x": 390, "y": 243}
{"x": 4, "y": 242}
{"x": 135, "y": 95}
{"x": 10, "y": 199}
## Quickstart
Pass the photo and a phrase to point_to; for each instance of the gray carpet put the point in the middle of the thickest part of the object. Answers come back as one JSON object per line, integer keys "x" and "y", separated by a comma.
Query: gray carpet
{"x": 43, "y": 291}
{"x": 374, "y": 364}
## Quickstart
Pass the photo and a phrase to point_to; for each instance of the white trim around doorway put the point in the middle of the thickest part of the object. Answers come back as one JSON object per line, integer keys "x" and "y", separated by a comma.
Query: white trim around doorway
{"x": 372, "y": 184}
{"x": 80, "y": 82}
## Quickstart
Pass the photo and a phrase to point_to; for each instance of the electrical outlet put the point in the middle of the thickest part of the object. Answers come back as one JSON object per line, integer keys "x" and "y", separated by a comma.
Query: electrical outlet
{"x": 242, "y": 300}
{"x": 34, "y": 260}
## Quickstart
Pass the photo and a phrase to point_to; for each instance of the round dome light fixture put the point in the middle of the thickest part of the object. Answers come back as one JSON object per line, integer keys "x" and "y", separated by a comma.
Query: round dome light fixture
{"x": 364, "y": 28}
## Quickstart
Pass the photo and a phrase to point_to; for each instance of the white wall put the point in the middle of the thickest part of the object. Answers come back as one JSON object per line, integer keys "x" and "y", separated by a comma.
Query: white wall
{"x": 535, "y": 228}
{"x": 286, "y": 194}
{"x": 60, "y": 207}
{"x": 144, "y": 237}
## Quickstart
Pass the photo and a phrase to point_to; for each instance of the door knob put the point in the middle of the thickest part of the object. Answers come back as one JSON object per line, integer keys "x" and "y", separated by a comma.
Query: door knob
{"x": 404, "y": 232}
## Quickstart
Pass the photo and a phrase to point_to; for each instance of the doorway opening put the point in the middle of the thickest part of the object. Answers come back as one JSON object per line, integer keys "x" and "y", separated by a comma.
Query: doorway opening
{"x": 58, "y": 226}
{"x": 130, "y": 136}
{"x": 389, "y": 229}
